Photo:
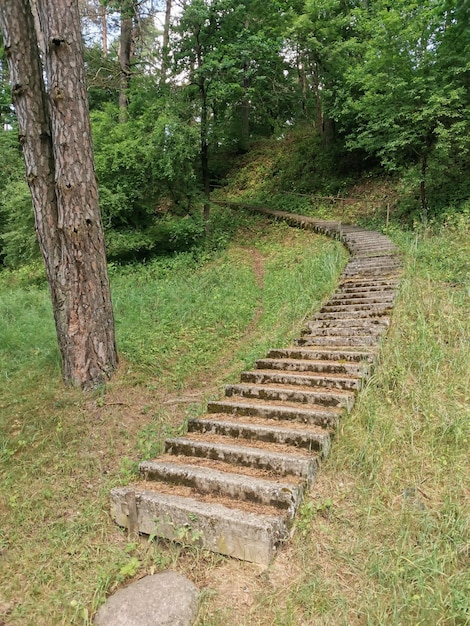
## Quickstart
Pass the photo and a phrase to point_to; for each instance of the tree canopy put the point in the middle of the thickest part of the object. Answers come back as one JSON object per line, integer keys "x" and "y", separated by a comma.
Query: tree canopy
{"x": 179, "y": 88}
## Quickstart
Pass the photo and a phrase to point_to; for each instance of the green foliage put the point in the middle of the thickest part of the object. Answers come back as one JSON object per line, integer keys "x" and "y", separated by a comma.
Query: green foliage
{"x": 404, "y": 100}
{"x": 18, "y": 241}
{"x": 141, "y": 162}
{"x": 26, "y": 328}
{"x": 18, "y": 244}
{"x": 233, "y": 54}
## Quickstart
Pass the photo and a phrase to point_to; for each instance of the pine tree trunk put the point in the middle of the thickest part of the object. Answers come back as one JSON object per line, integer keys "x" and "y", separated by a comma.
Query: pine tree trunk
{"x": 56, "y": 139}
{"x": 166, "y": 40}
{"x": 104, "y": 30}
{"x": 125, "y": 47}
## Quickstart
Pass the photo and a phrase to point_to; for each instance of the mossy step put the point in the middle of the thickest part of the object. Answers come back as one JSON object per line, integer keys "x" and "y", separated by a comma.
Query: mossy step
{"x": 367, "y": 312}
{"x": 303, "y": 395}
{"x": 353, "y": 330}
{"x": 380, "y": 298}
{"x": 240, "y": 534}
{"x": 384, "y": 307}
{"x": 326, "y": 417}
{"x": 281, "y": 495}
{"x": 379, "y": 324}
{"x": 346, "y": 355}
{"x": 358, "y": 341}
{"x": 282, "y": 464}
{"x": 307, "y": 379}
{"x": 312, "y": 440}
{"x": 317, "y": 366}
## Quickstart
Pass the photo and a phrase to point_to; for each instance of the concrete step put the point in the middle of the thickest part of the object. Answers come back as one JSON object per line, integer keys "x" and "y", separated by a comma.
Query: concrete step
{"x": 354, "y": 283}
{"x": 240, "y": 534}
{"x": 354, "y": 291}
{"x": 375, "y": 262}
{"x": 379, "y": 324}
{"x": 347, "y": 355}
{"x": 359, "y": 341}
{"x": 282, "y": 495}
{"x": 384, "y": 307}
{"x": 368, "y": 273}
{"x": 295, "y": 463}
{"x": 348, "y": 313}
{"x": 313, "y": 439}
{"x": 303, "y": 395}
{"x": 341, "y": 299}
{"x": 338, "y": 330}
{"x": 326, "y": 417}
{"x": 307, "y": 379}
{"x": 318, "y": 366}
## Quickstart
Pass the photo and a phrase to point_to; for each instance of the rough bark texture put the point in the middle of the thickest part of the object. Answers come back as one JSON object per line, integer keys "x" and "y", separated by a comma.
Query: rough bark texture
{"x": 104, "y": 30}
{"x": 166, "y": 40}
{"x": 204, "y": 134}
{"x": 125, "y": 51}
{"x": 56, "y": 139}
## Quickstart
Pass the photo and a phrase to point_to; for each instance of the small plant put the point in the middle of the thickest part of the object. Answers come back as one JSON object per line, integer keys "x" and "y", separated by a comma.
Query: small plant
{"x": 309, "y": 511}
{"x": 128, "y": 470}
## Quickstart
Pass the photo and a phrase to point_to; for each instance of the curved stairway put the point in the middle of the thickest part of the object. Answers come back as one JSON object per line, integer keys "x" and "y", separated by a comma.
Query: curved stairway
{"x": 234, "y": 482}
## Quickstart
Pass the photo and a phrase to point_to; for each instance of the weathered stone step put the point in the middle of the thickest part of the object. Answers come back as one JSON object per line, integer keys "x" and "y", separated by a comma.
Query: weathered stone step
{"x": 306, "y": 379}
{"x": 348, "y": 308}
{"x": 359, "y": 341}
{"x": 342, "y": 299}
{"x": 354, "y": 291}
{"x": 239, "y": 534}
{"x": 282, "y": 463}
{"x": 343, "y": 331}
{"x": 374, "y": 261}
{"x": 287, "y": 393}
{"x": 361, "y": 283}
{"x": 281, "y": 495}
{"x": 311, "y": 439}
{"x": 318, "y": 366}
{"x": 327, "y": 417}
{"x": 379, "y": 324}
{"x": 346, "y": 314}
{"x": 365, "y": 243}
{"x": 347, "y": 355}
{"x": 370, "y": 272}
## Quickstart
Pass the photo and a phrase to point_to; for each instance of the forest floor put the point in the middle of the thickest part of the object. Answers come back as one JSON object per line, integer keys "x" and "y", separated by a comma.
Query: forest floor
{"x": 382, "y": 539}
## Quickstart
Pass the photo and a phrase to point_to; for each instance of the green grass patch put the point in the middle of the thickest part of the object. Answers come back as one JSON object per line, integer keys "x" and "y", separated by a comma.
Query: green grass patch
{"x": 184, "y": 324}
{"x": 383, "y": 539}
{"x": 385, "y": 536}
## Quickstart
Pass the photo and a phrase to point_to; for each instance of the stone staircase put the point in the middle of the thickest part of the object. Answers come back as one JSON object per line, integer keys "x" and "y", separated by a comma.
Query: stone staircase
{"x": 234, "y": 483}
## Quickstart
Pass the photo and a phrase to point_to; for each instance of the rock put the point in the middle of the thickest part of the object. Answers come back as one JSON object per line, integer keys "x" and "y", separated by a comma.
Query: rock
{"x": 166, "y": 599}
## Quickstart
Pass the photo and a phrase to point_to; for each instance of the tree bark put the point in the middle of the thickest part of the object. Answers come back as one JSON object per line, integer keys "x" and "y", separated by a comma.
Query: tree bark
{"x": 56, "y": 138}
{"x": 166, "y": 40}
{"x": 104, "y": 30}
{"x": 204, "y": 137}
{"x": 125, "y": 50}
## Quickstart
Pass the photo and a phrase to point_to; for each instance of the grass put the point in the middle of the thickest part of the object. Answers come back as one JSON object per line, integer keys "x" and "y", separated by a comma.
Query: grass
{"x": 384, "y": 537}
{"x": 184, "y": 325}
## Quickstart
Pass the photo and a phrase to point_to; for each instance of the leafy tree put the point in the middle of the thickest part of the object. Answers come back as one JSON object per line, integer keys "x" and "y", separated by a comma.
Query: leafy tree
{"x": 145, "y": 161}
{"x": 406, "y": 97}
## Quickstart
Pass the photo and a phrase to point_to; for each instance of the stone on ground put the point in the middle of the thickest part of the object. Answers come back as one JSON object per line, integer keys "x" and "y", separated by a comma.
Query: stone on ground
{"x": 166, "y": 599}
